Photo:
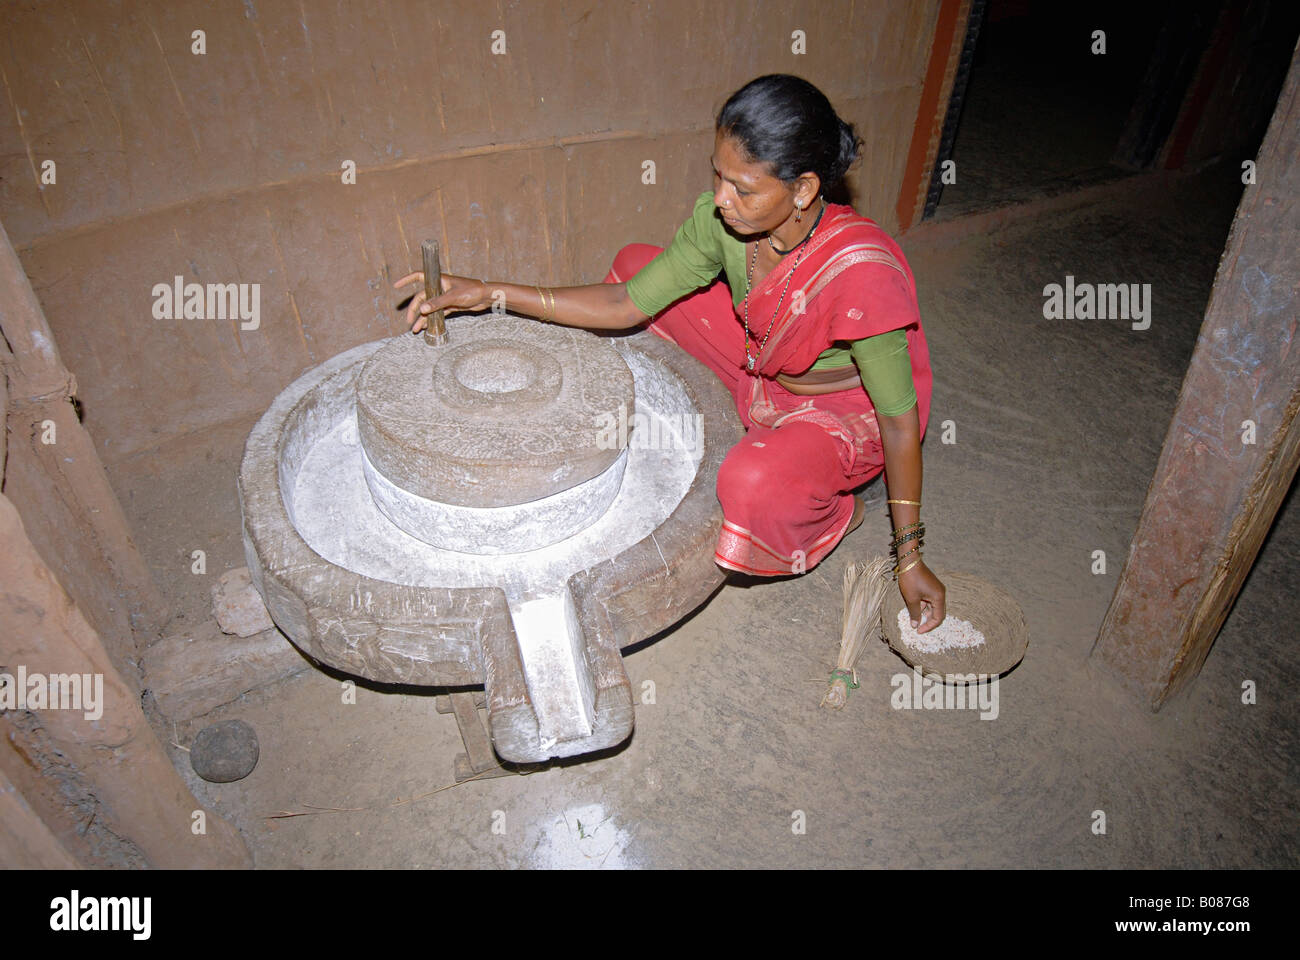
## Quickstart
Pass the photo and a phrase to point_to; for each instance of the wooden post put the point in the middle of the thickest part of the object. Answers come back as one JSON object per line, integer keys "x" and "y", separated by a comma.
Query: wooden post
{"x": 54, "y": 477}
{"x": 92, "y": 770}
{"x": 1233, "y": 445}
{"x": 26, "y": 843}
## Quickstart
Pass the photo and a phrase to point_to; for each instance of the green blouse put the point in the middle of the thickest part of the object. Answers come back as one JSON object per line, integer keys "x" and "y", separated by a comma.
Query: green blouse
{"x": 703, "y": 248}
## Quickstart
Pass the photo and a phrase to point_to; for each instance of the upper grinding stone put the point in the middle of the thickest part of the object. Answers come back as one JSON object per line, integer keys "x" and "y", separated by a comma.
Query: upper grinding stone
{"x": 508, "y": 411}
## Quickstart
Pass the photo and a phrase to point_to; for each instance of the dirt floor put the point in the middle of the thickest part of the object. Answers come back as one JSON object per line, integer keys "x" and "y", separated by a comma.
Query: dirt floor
{"x": 1058, "y": 425}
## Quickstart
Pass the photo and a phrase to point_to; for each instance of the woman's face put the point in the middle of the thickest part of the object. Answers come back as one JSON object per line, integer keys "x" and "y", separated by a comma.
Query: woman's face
{"x": 749, "y": 198}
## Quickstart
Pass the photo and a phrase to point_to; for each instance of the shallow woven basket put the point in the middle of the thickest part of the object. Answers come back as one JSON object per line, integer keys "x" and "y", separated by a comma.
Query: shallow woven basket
{"x": 989, "y": 608}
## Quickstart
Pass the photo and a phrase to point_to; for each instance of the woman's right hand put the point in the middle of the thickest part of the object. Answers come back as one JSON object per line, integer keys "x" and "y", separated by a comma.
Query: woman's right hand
{"x": 458, "y": 293}
{"x": 925, "y": 596}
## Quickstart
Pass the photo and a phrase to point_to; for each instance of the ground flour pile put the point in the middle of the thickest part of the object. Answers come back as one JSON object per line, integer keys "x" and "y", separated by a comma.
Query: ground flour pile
{"x": 952, "y": 634}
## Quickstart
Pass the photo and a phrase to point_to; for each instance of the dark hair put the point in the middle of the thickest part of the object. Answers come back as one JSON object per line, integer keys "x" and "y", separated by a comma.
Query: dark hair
{"x": 788, "y": 124}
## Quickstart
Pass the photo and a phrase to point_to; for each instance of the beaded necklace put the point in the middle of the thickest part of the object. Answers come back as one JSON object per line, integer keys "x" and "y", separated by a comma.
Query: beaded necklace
{"x": 750, "y": 359}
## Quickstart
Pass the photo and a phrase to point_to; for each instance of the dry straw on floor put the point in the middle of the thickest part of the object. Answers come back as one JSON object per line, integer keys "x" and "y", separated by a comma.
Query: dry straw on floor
{"x": 865, "y": 587}
{"x": 871, "y": 605}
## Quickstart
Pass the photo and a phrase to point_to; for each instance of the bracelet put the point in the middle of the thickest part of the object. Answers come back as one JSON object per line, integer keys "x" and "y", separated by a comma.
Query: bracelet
{"x": 914, "y": 503}
{"x": 911, "y": 527}
{"x": 903, "y": 556}
{"x": 552, "y": 295}
{"x": 914, "y": 535}
{"x": 899, "y": 573}
{"x": 542, "y": 297}
{"x": 899, "y": 541}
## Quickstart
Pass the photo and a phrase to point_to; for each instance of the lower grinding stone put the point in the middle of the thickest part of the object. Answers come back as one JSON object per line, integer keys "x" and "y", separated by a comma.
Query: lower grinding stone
{"x": 225, "y": 751}
{"x": 328, "y": 501}
{"x": 359, "y": 594}
{"x": 508, "y": 412}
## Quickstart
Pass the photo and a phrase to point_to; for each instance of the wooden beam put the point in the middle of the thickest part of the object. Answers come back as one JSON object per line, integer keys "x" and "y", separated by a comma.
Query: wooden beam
{"x": 945, "y": 54}
{"x": 89, "y": 766}
{"x": 1214, "y": 495}
{"x": 1209, "y": 73}
{"x": 26, "y": 843}
{"x": 1176, "y": 60}
{"x": 53, "y": 475}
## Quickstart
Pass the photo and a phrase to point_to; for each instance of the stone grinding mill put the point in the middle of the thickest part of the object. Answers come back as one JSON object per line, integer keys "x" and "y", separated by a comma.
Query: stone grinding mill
{"x": 508, "y": 505}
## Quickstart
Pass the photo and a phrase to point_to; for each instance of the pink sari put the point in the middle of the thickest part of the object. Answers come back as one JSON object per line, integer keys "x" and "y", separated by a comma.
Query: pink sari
{"x": 839, "y": 276}
{"x": 852, "y": 282}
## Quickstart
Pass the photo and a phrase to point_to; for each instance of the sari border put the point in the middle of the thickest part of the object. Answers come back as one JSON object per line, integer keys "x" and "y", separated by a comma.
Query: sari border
{"x": 738, "y": 549}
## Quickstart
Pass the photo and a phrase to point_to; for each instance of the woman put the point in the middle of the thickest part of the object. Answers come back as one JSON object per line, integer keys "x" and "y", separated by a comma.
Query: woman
{"x": 816, "y": 332}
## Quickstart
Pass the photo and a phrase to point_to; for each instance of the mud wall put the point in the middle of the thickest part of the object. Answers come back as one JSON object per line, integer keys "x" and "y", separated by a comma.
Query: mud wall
{"x": 221, "y": 157}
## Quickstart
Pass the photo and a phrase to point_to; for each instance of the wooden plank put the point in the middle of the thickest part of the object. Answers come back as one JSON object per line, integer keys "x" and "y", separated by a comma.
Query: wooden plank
{"x": 442, "y": 701}
{"x": 477, "y": 744}
{"x": 1214, "y": 496}
{"x": 464, "y": 770}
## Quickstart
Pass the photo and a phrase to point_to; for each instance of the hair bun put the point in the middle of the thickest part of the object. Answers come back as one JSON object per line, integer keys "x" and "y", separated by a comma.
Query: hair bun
{"x": 850, "y": 148}
{"x": 787, "y": 123}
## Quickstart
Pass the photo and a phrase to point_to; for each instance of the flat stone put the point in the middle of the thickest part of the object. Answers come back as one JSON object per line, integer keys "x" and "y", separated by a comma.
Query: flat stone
{"x": 509, "y": 412}
{"x": 225, "y": 751}
{"x": 238, "y": 606}
{"x": 194, "y": 673}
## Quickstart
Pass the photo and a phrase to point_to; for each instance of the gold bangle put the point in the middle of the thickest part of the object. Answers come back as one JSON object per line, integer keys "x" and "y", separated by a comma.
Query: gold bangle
{"x": 908, "y": 567}
{"x": 900, "y": 559}
{"x": 914, "y": 503}
{"x": 542, "y": 298}
{"x": 552, "y": 293}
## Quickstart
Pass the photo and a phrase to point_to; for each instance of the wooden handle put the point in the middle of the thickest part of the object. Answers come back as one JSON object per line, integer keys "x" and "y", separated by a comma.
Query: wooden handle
{"x": 436, "y": 332}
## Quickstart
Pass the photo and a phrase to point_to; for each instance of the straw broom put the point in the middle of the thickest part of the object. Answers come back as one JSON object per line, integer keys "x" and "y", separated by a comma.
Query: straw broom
{"x": 865, "y": 586}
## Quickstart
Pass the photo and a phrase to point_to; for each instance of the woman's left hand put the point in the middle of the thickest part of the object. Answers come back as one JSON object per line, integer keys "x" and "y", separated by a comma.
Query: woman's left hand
{"x": 923, "y": 592}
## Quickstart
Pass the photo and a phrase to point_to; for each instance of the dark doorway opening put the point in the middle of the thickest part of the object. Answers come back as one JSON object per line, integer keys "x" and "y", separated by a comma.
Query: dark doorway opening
{"x": 1038, "y": 108}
